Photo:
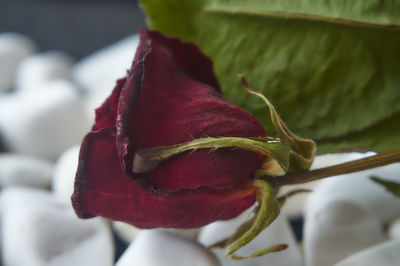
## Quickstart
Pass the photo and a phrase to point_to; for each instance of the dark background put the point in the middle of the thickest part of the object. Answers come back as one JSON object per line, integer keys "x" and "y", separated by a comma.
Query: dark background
{"x": 77, "y": 27}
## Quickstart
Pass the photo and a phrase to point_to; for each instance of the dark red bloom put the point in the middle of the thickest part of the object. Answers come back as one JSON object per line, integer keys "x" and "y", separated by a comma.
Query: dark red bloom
{"x": 170, "y": 96}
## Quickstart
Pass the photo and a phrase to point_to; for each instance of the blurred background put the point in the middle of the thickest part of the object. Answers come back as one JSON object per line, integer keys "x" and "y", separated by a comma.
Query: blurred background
{"x": 59, "y": 60}
{"x": 73, "y": 26}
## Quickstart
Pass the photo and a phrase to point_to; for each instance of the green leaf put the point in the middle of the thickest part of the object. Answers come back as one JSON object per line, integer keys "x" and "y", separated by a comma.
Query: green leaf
{"x": 393, "y": 187}
{"x": 329, "y": 67}
{"x": 380, "y": 137}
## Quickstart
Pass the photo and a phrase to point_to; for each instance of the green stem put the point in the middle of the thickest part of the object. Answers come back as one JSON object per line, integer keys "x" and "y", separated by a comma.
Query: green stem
{"x": 380, "y": 159}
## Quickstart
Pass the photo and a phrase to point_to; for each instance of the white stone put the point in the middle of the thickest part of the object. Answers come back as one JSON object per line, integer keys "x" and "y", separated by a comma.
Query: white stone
{"x": 14, "y": 48}
{"x": 125, "y": 231}
{"x": 360, "y": 189}
{"x": 394, "y": 229}
{"x": 294, "y": 206}
{"x": 99, "y": 72}
{"x": 44, "y": 123}
{"x": 347, "y": 213}
{"x": 158, "y": 247}
{"x": 384, "y": 254}
{"x": 35, "y": 71}
{"x": 21, "y": 170}
{"x": 129, "y": 232}
{"x": 40, "y": 231}
{"x": 64, "y": 173}
{"x": 279, "y": 232}
{"x": 336, "y": 229}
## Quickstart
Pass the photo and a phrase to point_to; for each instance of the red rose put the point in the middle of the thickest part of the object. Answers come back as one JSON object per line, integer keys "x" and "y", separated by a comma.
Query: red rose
{"x": 170, "y": 96}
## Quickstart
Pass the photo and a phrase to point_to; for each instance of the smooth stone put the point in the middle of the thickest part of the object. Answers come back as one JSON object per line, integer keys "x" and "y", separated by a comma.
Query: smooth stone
{"x": 100, "y": 70}
{"x": 129, "y": 232}
{"x": 64, "y": 174}
{"x": 44, "y": 123}
{"x": 22, "y": 170}
{"x": 125, "y": 231}
{"x": 38, "y": 230}
{"x": 14, "y": 48}
{"x": 279, "y": 232}
{"x": 337, "y": 228}
{"x": 384, "y": 254}
{"x": 35, "y": 71}
{"x": 98, "y": 73}
{"x": 294, "y": 206}
{"x": 158, "y": 247}
{"x": 360, "y": 189}
{"x": 347, "y": 213}
{"x": 394, "y": 229}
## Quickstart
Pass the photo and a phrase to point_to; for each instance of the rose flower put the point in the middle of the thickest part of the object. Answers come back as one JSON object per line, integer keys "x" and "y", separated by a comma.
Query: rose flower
{"x": 170, "y": 96}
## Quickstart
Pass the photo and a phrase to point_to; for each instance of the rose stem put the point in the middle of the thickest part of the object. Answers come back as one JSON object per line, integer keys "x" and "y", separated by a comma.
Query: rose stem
{"x": 377, "y": 160}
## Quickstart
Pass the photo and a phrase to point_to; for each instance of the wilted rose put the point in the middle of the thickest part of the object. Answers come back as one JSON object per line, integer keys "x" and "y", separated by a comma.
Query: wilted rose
{"x": 169, "y": 96}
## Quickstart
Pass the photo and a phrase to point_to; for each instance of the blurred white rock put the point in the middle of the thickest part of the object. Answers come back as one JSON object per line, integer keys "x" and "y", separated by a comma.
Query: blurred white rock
{"x": 64, "y": 174}
{"x": 279, "y": 232}
{"x": 158, "y": 247}
{"x": 125, "y": 231}
{"x": 22, "y": 170}
{"x": 360, "y": 189}
{"x": 394, "y": 229}
{"x": 384, "y": 254}
{"x": 294, "y": 206}
{"x": 347, "y": 213}
{"x": 336, "y": 229}
{"x": 35, "y": 71}
{"x": 44, "y": 123}
{"x": 14, "y": 48}
{"x": 99, "y": 72}
{"x": 40, "y": 231}
{"x": 129, "y": 232}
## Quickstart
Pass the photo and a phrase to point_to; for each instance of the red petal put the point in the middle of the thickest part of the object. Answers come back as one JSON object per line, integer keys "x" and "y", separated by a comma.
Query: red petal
{"x": 102, "y": 188}
{"x": 171, "y": 96}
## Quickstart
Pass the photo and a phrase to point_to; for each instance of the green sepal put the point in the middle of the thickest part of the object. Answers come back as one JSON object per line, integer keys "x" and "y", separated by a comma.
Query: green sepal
{"x": 392, "y": 187}
{"x": 302, "y": 151}
{"x": 264, "y": 214}
{"x": 148, "y": 158}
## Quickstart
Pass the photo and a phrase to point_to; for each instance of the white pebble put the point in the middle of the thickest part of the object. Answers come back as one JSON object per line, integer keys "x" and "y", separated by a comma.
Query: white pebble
{"x": 384, "y": 254}
{"x": 125, "y": 231}
{"x": 294, "y": 206}
{"x": 14, "y": 48}
{"x": 347, "y": 213}
{"x": 44, "y": 123}
{"x": 129, "y": 232}
{"x": 98, "y": 73}
{"x": 40, "y": 231}
{"x": 21, "y": 170}
{"x": 158, "y": 247}
{"x": 335, "y": 229}
{"x": 36, "y": 70}
{"x": 394, "y": 229}
{"x": 64, "y": 173}
{"x": 360, "y": 189}
{"x": 279, "y": 232}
